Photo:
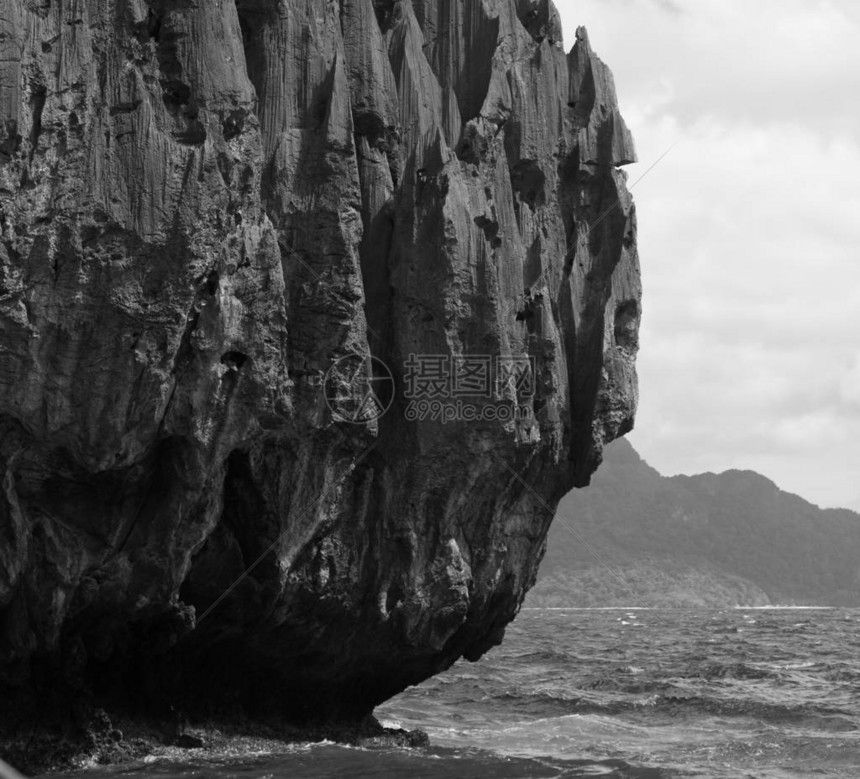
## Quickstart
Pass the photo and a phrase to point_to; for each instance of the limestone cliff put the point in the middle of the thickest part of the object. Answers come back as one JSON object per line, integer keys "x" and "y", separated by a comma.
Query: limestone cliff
{"x": 204, "y": 206}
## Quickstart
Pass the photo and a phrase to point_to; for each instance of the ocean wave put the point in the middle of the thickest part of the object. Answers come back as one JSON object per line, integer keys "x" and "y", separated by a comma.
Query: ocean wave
{"x": 841, "y": 672}
{"x": 717, "y": 670}
{"x": 783, "y": 692}
{"x": 746, "y": 707}
{"x": 613, "y": 698}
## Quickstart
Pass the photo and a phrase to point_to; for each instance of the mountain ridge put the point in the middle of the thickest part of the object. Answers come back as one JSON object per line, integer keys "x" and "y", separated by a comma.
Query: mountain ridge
{"x": 717, "y": 539}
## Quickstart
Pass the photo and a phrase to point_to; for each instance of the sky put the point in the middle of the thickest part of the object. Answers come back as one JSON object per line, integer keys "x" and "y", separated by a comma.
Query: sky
{"x": 749, "y": 232}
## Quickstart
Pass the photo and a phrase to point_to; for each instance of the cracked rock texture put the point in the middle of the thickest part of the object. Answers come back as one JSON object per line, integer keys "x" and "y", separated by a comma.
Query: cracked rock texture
{"x": 203, "y": 205}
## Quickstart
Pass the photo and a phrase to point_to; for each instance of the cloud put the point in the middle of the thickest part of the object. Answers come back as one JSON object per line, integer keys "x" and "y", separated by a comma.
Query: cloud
{"x": 849, "y": 385}
{"x": 749, "y": 233}
{"x": 792, "y": 60}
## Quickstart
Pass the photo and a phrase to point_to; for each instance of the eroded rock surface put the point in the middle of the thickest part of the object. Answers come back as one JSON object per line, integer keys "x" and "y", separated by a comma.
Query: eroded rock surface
{"x": 203, "y": 205}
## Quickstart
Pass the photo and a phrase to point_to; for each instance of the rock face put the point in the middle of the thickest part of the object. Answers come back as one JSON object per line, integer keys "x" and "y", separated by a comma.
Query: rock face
{"x": 203, "y": 207}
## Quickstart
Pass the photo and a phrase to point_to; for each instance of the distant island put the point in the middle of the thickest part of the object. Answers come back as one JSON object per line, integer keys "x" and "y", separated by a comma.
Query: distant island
{"x": 637, "y": 538}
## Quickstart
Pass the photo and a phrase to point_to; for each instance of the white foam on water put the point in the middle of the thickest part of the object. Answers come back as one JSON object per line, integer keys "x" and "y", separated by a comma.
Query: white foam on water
{"x": 784, "y": 608}
{"x": 588, "y": 608}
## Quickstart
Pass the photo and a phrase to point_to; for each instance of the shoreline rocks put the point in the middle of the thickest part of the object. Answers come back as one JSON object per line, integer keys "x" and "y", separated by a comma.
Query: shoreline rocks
{"x": 36, "y": 750}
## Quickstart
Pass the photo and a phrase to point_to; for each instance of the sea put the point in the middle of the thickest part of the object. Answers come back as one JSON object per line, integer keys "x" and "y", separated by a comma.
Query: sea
{"x": 764, "y": 693}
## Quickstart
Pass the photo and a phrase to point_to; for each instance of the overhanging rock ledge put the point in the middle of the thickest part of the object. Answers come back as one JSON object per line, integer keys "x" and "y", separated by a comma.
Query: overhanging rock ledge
{"x": 202, "y": 207}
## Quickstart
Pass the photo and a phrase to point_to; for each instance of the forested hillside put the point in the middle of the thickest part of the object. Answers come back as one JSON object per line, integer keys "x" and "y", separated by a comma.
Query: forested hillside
{"x": 635, "y": 537}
